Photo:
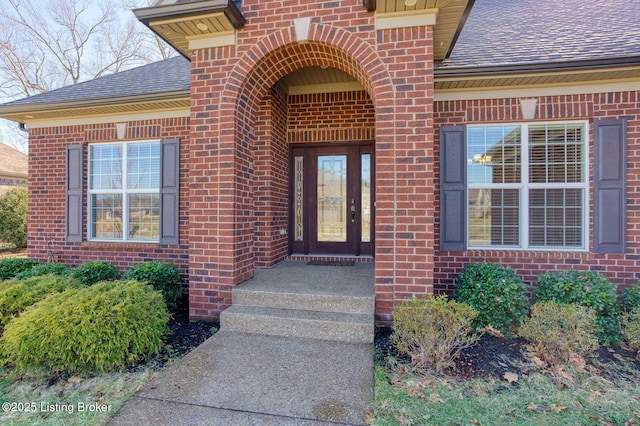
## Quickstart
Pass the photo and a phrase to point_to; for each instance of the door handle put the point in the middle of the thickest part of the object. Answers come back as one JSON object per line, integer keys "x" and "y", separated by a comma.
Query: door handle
{"x": 353, "y": 213}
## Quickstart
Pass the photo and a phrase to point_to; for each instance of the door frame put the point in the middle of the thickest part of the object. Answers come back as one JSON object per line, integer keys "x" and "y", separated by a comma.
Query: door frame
{"x": 309, "y": 151}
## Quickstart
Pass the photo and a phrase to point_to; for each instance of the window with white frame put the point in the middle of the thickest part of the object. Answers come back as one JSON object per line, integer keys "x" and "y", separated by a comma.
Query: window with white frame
{"x": 527, "y": 186}
{"x": 124, "y": 191}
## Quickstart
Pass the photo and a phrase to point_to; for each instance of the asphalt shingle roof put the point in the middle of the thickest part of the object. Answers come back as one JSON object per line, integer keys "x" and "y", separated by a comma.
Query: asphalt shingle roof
{"x": 13, "y": 162}
{"x": 519, "y": 32}
{"x": 170, "y": 75}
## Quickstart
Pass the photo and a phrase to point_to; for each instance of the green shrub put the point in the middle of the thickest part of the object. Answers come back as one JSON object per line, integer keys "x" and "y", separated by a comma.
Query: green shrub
{"x": 13, "y": 217}
{"x": 496, "y": 292}
{"x": 44, "y": 269}
{"x": 630, "y": 298}
{"x": 90, "y": 273}
{"x": 433, "y": 330}
{"x": 585, "y": 288}
{"x": 12, "y": 266}
{"x": 93, "y": 329}
{"x": 631, "y": 329}
{"x": 163, "y": 276}
{"x": 16, "y": 296}
{"x": 560, "y": 332}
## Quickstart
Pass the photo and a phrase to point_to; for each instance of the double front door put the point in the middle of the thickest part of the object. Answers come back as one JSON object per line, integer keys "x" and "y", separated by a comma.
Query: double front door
{"x": 332, "y": 198}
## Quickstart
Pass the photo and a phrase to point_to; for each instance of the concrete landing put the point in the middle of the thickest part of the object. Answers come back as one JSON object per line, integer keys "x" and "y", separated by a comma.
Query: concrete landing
{"x": 246, "y": 379}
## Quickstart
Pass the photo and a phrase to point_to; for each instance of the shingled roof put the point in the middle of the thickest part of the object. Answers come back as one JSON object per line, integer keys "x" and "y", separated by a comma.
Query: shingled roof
{"x": 170, "y": 75}
{"x": 13, "y": 163}
{"x": 522, "y": 32}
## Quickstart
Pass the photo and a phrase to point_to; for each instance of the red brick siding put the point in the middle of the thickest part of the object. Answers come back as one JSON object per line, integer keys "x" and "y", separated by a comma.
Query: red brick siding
{"x": 621, "y": 269}
{"x": 271, "y": 180}
{"x": 331, "y": 117}
{"x": 47, "y": 176}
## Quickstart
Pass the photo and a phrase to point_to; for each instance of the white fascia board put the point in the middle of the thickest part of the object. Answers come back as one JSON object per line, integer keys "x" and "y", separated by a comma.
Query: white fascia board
{"x": 536, "y": 91}
{"x": 115, "y": 118}
{"x": 414, "y": 18}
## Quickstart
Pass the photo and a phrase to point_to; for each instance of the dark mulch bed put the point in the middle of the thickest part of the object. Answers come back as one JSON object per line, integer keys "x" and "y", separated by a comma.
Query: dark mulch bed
{"x": 185, "y": 336}
{"x": 492, "y": 356}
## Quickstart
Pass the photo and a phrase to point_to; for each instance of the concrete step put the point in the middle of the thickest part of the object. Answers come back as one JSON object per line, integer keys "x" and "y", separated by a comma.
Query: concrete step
{"x": 350, "y": 304}
{"x": 343, "y": 327}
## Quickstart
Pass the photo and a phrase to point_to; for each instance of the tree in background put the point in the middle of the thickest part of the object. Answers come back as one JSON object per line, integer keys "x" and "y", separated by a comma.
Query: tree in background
{"x": 47, "y": 44}
{"x": 13, "y": 217}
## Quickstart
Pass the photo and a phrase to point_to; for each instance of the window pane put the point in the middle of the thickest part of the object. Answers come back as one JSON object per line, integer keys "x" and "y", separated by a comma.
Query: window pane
{"x": 555, "y": 217}
{"x": 144, "y": 217}
{"x": 106, "y": 166}
{"x": 143, "y": 165}
{"x": 106, "y": 214}
{"x": 365, "y": 191}
{"x": 494, "y": 217}
{"x": 556, "y": 153}
{"x": 493, "y": 154}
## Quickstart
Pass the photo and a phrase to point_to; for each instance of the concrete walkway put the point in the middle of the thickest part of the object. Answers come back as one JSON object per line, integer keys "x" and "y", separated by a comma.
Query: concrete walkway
{"x": 246, "y": 379}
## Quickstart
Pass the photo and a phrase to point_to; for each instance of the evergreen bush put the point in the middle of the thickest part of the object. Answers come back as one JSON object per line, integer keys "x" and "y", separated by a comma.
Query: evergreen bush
{"x": 631, "y": 329}
{"x": 13, "y": 216}
{"x": 496, "y": 292}
{"x": 585, "y": 288}
{"x": 630, "y": 298}
{"x": 16, "y": 296}
{"x": 12, "y": 266}
{"x": 44, "y": 269}
{"x": 163, "y": 276}
{"x": 90, "y": 273}
{"x": 93, "y": 329}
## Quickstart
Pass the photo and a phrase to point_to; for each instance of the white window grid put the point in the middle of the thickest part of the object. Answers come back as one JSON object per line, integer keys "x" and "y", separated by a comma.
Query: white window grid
{"x": 124, "y": 192}
{"x": 524, "y": 186}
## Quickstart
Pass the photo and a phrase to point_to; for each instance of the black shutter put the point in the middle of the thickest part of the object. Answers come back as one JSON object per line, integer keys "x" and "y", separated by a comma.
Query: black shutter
{"x": 75, "y": 168}
{"x": 453, "y": 188}
{"x": 610, "y": 175}
{"x": 169, "y": 190}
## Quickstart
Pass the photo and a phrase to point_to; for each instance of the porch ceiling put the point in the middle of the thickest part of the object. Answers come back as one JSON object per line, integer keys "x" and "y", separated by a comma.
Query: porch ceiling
{"x": 319, "y": 80}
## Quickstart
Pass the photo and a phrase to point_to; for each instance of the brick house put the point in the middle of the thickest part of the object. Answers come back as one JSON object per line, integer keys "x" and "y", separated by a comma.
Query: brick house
{"x": 14, "y": 168}
{"x": 418, "y": 135}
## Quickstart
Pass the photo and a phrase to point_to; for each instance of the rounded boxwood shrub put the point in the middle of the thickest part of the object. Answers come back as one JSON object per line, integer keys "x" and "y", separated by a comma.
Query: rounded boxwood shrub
{"x": 630, "y": 298}
{"x": 90, "y": 273}
{"x": 12, "y": 266}
{"x": 433, "y": 330}
{"x": 163, "y": 276}
{"x": 585, "y": 288}
{"x": 496, "y": 292}
{"x": 560, "y": 331}
{"x": 92, "y": 329}
{"x": 16, "y": 296}
{"x": 44, "y": 269}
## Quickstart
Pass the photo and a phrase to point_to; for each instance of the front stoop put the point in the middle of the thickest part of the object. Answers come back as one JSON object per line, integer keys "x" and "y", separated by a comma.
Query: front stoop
{"x": 278, "y": 312}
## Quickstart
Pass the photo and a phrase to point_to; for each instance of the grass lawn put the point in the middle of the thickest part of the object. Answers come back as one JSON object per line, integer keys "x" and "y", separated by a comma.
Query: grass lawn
{"x": 30, "y": 399}
{"x": 604, "y": 398}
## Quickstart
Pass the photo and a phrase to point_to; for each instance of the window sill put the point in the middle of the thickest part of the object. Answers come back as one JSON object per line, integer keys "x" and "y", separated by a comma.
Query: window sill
{"x": 120, "y": 244}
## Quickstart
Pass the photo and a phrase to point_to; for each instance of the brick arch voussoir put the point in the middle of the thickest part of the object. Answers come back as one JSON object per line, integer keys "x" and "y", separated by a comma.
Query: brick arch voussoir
{"x": 279, "y": 54}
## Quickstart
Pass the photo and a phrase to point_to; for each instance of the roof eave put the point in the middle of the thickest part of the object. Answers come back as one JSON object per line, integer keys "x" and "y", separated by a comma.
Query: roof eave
{"x": 537, "y": 67}
{"x": 231, "y": 11}
{"x": 35, "y": 108}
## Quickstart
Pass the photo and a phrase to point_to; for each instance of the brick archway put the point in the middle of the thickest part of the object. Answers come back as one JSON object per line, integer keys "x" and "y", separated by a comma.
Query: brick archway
{"x": 223, "y": 130}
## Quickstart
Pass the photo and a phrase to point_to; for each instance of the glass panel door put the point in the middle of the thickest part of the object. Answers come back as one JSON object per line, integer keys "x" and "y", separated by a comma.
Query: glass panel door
{"x": 332, "y": 198}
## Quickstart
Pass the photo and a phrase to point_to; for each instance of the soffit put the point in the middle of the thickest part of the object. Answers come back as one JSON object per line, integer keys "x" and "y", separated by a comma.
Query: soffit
{"x": 318, "y": 80}
{"x": 179, "y": 22}
{"x": 451, "y": 17}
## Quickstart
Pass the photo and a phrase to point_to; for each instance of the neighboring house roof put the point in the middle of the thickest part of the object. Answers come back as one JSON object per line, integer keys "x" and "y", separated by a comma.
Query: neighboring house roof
{"x": 13, "y": 163}
{"x": 524, "y": 32}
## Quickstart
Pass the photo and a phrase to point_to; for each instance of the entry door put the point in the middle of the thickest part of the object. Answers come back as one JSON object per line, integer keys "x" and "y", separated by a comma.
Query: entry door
{"x": 332, "y": 200}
